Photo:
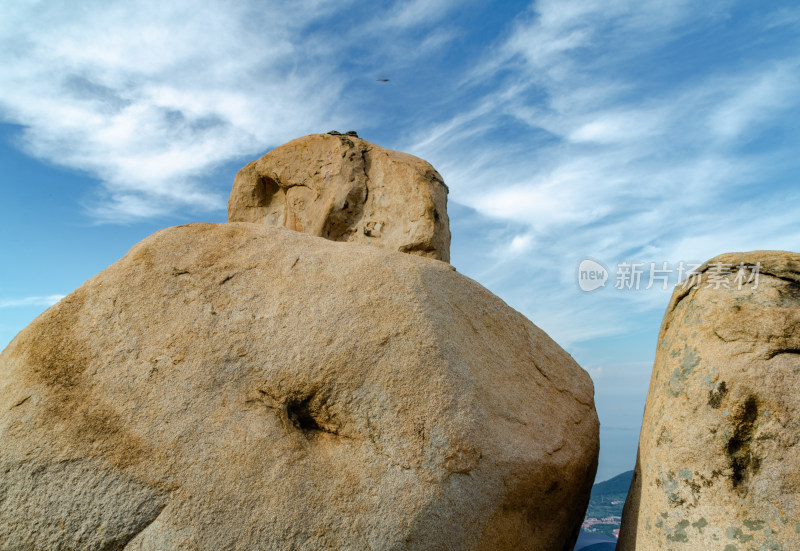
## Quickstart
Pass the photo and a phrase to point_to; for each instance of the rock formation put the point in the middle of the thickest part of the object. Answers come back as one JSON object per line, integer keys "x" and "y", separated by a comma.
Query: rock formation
{"x": 343, "y": 188}
{"x": 718, "y": 455}
{"x": 240, "y": 386}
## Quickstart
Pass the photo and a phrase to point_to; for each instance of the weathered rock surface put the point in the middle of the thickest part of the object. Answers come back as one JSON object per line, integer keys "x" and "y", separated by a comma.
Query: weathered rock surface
{"x": 719, "y": 461}
{"x": 343, "y": 188}
{"x": 239, "y": 386}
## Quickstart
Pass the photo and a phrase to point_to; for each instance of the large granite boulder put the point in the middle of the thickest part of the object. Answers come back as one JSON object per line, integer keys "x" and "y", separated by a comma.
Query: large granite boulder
{"x": 344, "y": 188}
{"x": 241, "y": 386}
{"x": 719, "y": 460}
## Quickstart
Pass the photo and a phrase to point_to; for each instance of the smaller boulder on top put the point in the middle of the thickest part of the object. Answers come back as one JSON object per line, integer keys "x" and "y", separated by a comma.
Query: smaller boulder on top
{"x": 343, "y": 188}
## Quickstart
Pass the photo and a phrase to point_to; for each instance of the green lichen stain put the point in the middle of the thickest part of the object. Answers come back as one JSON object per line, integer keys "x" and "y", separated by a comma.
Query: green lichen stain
{"x": 797, "y": 527}
{"x": 734, "y": 533}
{"x": 730, "y": 547}
{"x": 677, "y": 380}
{"x": 700, "y": 524}
{"x": 770, "y": 545}
{"x": 669, "y": 485}
{"x": 690, "y": 359}
{"x": 754, "y": 524}
{"x": 685, "y": 474}
{"x": 678, "y": 532}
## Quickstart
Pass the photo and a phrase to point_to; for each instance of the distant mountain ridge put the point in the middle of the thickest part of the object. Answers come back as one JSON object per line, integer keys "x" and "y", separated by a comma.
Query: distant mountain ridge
{"x": 604, "y": 513}
{"x": 613, "y": 486}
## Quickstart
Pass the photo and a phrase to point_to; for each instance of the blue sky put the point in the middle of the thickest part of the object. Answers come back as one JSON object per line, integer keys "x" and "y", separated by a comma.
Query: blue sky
{"x": 639, "y": 131}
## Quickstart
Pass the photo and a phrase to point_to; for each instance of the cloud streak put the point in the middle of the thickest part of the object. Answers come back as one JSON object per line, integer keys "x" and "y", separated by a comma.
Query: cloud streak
{"x": 48, "y": 300}
{"x": 150, "y": 96}
{"x": 618, "y": 153}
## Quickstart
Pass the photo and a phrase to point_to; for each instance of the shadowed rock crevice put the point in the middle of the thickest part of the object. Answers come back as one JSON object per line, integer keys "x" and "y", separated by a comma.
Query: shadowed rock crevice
{"x": 716, "y": 395}
{"x": 301, "y": 415}
{"x": 772, "y": 353}
{"x": 739, "y": 448}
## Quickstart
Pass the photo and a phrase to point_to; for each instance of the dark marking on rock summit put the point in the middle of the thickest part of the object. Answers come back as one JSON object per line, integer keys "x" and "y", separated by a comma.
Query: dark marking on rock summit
{"x": 351, "y": 133}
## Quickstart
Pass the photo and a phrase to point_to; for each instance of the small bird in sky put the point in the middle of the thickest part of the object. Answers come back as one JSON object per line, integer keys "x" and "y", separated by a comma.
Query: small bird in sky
{"x": 383, "y": 79}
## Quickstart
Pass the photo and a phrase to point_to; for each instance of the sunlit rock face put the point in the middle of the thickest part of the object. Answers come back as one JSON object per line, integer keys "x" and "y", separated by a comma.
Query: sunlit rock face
{"x": 344, "y": 188}
{"x": 242, "y": 386}
{"x": 719, "y": 464}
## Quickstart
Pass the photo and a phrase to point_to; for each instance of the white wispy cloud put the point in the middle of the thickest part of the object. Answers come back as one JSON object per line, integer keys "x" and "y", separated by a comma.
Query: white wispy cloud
{"x": 149, "y": 96}
{"x": 415, "y": 13}
{"x": 609, "y": 165}
{"x": 48, "y": 300}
